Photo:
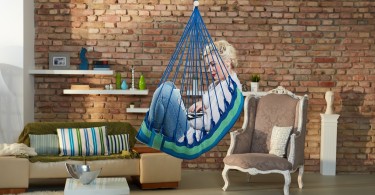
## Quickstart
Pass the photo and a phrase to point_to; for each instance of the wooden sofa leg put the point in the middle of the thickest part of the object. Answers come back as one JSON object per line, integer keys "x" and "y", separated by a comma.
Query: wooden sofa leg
{"x": 145, "y": 186}
{"x": 12, "y": 190}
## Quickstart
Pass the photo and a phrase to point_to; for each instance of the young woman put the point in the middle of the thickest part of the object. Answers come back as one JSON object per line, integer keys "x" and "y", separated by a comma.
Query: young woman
{"x": 167, "y": 110}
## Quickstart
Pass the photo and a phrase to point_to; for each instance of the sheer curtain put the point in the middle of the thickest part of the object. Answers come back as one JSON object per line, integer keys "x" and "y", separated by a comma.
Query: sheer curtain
{"x": 11, "y": 121}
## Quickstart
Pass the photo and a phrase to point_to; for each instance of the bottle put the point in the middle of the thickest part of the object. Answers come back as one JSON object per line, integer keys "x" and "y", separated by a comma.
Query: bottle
{"x": 118, "y": 80}
{"x": 142, "y": 83}
{"x": 124, "y": 85}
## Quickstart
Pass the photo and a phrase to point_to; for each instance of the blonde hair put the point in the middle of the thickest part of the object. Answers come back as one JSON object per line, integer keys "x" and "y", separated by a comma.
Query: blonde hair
{"x": 226, "y": 51}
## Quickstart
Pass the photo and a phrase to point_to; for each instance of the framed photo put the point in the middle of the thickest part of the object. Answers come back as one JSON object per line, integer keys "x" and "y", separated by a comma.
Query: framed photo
{"x": 59, "y": 60}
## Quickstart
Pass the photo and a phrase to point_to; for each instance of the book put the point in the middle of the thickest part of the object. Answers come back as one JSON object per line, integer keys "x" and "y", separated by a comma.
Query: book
{"x": 101, "y": 66}
{"x": 80, "y": 87}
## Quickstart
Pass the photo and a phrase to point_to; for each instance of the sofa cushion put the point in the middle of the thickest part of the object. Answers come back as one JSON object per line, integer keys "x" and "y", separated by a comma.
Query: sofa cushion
{"x": 112, "y": 128}
{"x": 82, "y": 141}
{"x": 45, "y": 144}
{"x": 55, "y": 158}
{"x": 118, "y": 143}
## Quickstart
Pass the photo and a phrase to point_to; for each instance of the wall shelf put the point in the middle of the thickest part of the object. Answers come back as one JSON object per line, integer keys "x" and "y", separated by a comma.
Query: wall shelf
{"x": 72, "y": 72}
{"x": 104, "y": 91}
{"x": 194, "y": 93}
{"x": 136, "y": 110}
{"x": 247, "y": 93}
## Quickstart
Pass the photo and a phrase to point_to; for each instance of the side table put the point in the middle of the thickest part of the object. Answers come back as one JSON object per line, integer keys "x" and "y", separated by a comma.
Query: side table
{"x": 100, "y": 186}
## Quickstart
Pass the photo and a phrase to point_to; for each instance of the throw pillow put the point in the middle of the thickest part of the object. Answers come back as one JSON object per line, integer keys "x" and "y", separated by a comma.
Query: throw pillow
{"x": 82, "y": 141}
{"x": 279, "y": 140}
{"x": 118, "y": 143}
{"x": 44, "y": 144}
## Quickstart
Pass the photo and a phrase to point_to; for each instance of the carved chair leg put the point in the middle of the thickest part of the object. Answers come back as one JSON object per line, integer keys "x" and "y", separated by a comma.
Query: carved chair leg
{"x": 287, "y": 178}
{"x": 300, "y": 174}
{"x": 225, "y": 177}
{"x": 248, "y": 177}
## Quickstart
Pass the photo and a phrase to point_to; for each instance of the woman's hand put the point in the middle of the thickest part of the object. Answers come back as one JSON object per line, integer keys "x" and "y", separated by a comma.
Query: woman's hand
{"x": 196, "y": 107}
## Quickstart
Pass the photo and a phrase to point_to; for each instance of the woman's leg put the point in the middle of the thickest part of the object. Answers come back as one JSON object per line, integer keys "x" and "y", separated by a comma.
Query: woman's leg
{"x": 166, "y": 111}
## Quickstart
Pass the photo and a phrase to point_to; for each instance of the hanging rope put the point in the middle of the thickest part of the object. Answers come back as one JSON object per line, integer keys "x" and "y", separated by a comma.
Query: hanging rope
{"x": 195, "y": 75}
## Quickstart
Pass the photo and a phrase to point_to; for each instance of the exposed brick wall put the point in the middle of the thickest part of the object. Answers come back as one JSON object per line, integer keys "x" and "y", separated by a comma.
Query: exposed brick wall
{"x": 307, "y": 46}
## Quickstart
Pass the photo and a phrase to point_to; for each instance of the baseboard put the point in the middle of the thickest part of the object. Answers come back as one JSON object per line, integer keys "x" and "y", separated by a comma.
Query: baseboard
{"x": 12, "y": 190}
{"x": 147, "y": 186}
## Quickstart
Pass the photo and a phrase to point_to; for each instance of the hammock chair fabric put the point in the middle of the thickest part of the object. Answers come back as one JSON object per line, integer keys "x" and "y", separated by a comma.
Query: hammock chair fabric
{"x": 188, "y": 70}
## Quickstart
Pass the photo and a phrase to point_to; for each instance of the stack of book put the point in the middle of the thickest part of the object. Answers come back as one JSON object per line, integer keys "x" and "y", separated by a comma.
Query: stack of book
{"x": 101, "y": 65}
{"x": 80, "y": 87}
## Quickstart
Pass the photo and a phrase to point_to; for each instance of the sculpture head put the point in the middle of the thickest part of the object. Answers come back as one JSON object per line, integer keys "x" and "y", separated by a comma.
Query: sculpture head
{"x": 329, "y": 96}
{"x": 329, "y": 99}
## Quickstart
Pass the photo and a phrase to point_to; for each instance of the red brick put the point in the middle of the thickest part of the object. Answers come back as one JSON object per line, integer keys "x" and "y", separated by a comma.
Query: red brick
{"x": 326, "y": 84}
{"x": 309, "y": 46}
{"x": 325, "y": 60}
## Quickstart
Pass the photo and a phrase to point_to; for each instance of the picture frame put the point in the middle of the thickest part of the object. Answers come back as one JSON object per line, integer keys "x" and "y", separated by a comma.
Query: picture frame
{"x": 59, "y": 60}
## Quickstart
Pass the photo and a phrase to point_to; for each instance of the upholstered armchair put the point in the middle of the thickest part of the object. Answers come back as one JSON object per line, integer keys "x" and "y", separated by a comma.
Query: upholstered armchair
{"x": 272, "y": 137}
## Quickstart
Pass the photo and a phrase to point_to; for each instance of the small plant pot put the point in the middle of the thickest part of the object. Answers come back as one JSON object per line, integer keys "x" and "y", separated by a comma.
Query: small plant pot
{"x": 131, "y": 105}
{"x": 254, "y": 86}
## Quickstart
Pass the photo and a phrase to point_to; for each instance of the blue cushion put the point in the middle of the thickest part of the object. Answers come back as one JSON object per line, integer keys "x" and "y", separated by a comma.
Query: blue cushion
{"x": 82, "y": 141}
{"x": 44, "y": 144}
{"x": 118, "y": 143}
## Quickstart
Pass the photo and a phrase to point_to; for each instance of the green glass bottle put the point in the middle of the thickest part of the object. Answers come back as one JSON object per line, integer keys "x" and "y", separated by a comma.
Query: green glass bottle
{"x": 118, "y": 80}
{"x": 142, "y": 83}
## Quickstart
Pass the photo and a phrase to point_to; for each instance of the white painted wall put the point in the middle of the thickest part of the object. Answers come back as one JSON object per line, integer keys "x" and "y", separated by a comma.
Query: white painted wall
{"x": 11, "y": 34}
{"x": 28, "y": 60}
{"x": 16, "y": 58}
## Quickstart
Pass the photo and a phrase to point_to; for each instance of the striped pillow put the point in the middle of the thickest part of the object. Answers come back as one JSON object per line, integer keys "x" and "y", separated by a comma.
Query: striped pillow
{"x": 118, "y": 143}
{"x": 82, "y": 141}
{"x": 44, "y": 144}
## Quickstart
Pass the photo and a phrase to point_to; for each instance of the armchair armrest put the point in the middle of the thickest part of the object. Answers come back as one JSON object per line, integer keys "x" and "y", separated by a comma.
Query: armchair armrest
{"x": 296, "y": 153}
{"x": 240, "y": 142}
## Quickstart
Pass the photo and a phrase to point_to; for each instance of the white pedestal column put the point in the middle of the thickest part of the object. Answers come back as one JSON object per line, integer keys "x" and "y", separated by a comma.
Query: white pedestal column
{"x": 328, "y": 144}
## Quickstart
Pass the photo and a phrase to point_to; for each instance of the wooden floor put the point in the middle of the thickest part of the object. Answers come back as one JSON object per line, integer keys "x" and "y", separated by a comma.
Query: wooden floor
{"x": 211, "y": 182}
{"x": 195, "y": 182}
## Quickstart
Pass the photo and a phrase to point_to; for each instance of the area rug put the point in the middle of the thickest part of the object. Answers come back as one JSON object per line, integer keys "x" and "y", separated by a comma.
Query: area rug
{"x": 43, "y": 193}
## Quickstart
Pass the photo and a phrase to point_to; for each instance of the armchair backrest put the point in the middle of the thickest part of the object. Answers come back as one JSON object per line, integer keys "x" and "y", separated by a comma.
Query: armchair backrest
{"x": 272, "y": 110}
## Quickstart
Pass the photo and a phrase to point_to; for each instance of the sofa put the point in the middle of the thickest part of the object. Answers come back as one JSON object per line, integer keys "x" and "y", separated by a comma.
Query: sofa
{"x": 147, "y": 167}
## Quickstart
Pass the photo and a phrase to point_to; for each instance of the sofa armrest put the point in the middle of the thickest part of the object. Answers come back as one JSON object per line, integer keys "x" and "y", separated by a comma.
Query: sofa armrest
{"x": 14, "y": 172}
{"x": 159, "y": 170}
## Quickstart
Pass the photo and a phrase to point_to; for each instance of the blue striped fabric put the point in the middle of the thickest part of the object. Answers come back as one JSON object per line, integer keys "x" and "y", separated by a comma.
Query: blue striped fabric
{"x": 118, "y": 143}
{"x": 82, "y": 141}
{"x": 44, "y": 144}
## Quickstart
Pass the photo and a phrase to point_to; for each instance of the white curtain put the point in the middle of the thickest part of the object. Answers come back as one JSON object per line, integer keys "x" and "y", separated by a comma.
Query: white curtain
{"x": 11, "y": 123}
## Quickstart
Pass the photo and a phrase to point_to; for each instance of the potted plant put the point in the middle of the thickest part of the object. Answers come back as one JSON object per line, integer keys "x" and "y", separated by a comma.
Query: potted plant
{"x": 255, "y": 78}
{"x": 131, "y": 105}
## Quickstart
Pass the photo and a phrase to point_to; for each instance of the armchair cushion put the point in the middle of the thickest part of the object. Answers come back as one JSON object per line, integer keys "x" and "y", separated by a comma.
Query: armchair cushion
{"x": 260, "y": 161}
{"x": 279, "y": 140}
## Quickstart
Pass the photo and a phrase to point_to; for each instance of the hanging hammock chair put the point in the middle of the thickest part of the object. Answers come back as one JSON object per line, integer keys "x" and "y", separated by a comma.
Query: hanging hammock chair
{"x": 189, "y": 72}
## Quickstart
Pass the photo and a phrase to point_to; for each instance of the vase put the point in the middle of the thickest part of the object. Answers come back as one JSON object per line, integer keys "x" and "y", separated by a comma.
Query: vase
{"x": 124, "y": 85}
{"x": 142, "y": 83}
{"x": 84, "y": 65}
{"x": 254, "y": 86}
{"x": 118, "y": 80}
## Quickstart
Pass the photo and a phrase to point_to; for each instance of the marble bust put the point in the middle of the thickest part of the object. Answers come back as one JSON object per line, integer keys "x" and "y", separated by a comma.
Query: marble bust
{"x": 329, "y": 99}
